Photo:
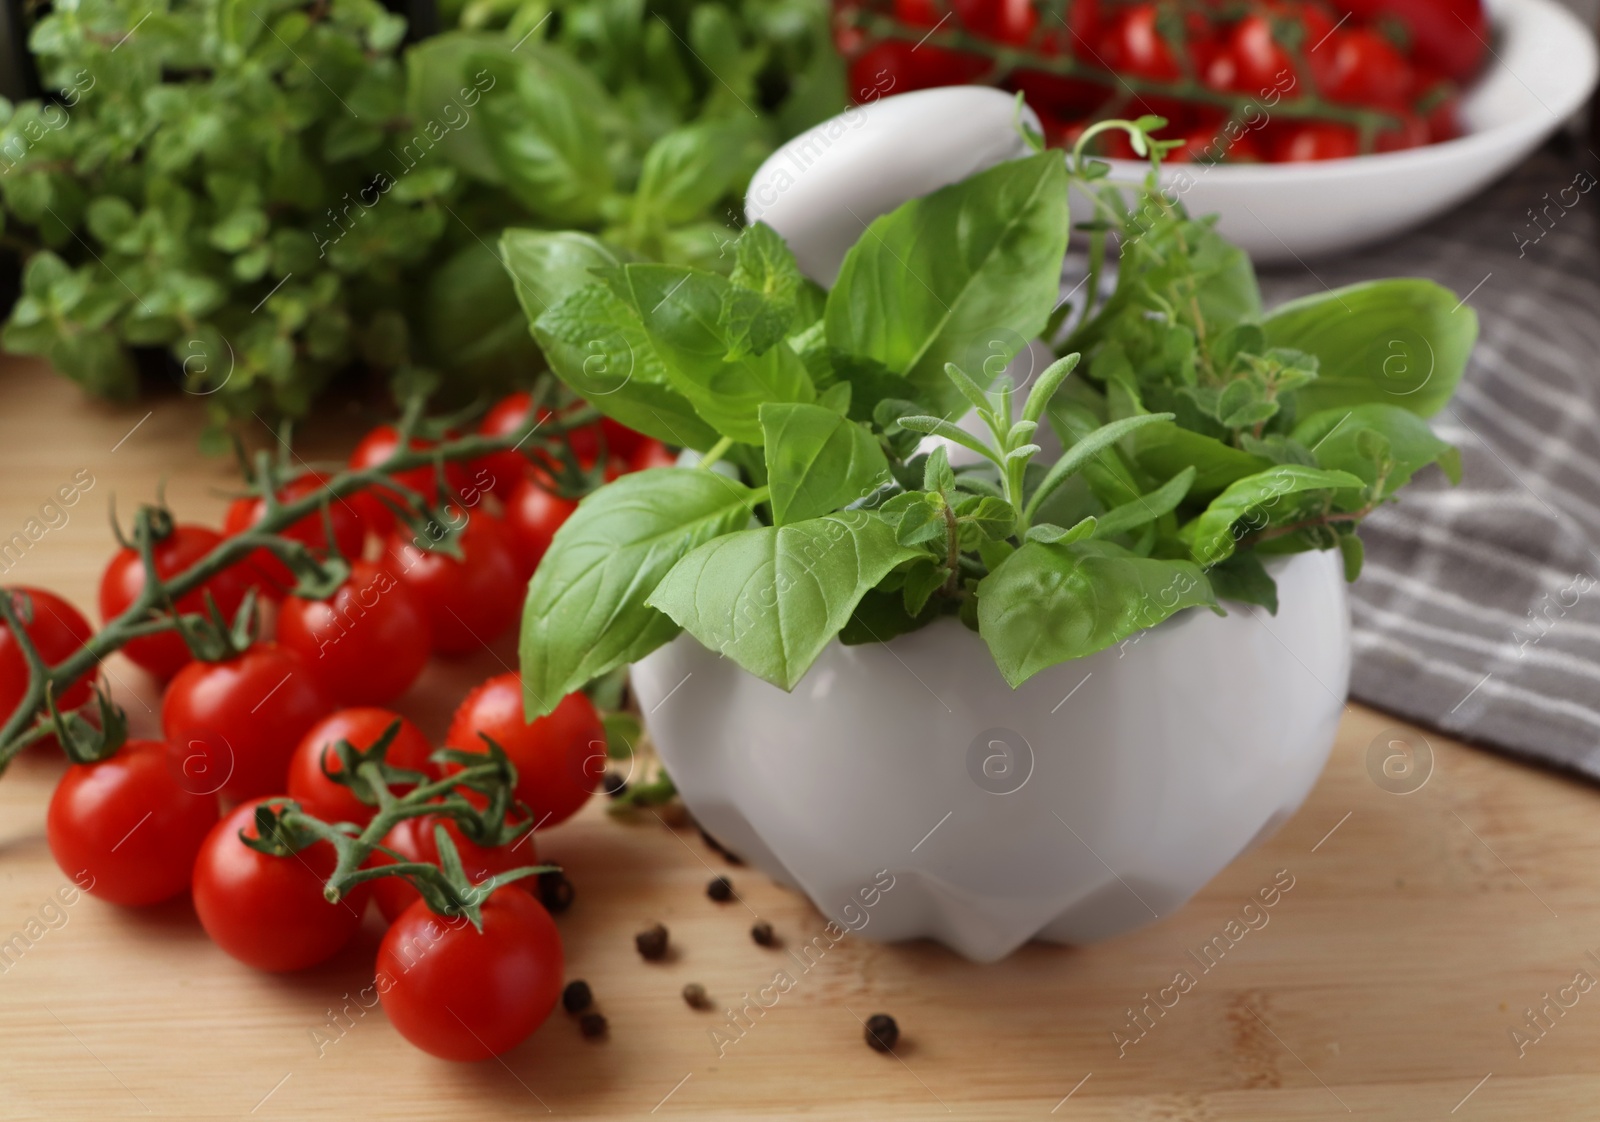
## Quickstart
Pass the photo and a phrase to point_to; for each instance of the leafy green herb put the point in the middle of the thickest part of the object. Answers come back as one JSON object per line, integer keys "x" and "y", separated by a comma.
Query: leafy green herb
{"x": 886, "y": 481}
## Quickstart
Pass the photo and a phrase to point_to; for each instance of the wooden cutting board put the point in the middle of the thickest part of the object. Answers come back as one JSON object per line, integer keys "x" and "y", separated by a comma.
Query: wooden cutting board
{"x": 1386, "y": 982}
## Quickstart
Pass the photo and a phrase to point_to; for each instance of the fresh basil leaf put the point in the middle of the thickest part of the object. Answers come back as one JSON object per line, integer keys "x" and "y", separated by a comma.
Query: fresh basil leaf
{"x": 753, "y": 323}
{"x": 1049, "y": 533}
{"x": 541, "y": 125}
{"x": 586, "y": 610}
{"x": 1396, "y": 342}
{"x": 817, "y": 461}
{"x": 772, "y": 598}
{"x": 938, "y": 275}
{"x": 1047, "y": 604}
{"x": 681, "y": 310}
{"x": 1082, "y": 451}
{"x": 1165, "y": 450}
{"x": 1211, "y": 536}
{"x": 925, "y": 577}
{"x": 1334, "y": 436}
{"x": 689, "y": 169}
{"x": 442, "y": 88}
{"x": 1146, "y": 508}
{"x": 1244, "y": 579}
{"x": 597, "y": 346}
{"x": 549, "y": 265}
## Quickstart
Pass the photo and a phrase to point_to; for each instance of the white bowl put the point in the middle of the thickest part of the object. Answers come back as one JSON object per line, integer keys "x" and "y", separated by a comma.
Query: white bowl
{"x": 911, "y": 793}
{"x": 1541, "y": 72}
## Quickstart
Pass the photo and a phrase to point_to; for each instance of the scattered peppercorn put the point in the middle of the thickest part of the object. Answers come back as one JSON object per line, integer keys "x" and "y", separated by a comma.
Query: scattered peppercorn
{"x": 762, "y": 933}
{"x": 616, "y": 786}
{"x": 555, "y": 891}
{"x": 695, "y": 994}
{"x": 882, "y": 1032}
{"x": 720, "y": 889}
{"x": 592, "y": 1025}
{"x": 652, "y": 942}
{"x": 577, "y": 997}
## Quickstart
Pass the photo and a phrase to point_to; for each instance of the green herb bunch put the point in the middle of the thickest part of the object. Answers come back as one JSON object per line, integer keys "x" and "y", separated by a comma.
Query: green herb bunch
{"x": 274, "y": 195}
{"x": 1200, "y": 434}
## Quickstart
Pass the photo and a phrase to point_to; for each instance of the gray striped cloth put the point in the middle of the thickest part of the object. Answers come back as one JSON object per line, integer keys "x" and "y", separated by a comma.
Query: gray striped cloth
{"x": 1478, "y": 611}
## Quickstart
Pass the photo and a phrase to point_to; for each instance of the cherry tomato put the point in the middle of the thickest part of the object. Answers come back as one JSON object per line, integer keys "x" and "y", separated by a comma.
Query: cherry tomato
{"x": 334, "y": 802}
{"x": 1359, "y": 67}
{"x": 534, "y": 515}
{"x": 1411, "y": 132}
{"x": 413, "y": 839}
{"x": 57, "y": 630}
{"x": 1133, "y": 44}
{"x": 1450, "y": 36}
{"x": 1057, "y": 96}
{"x": 367, "y": 643}
{"x": 377, "y": 446}
{"x": 348, "y": 530}
{"x": 560, "y": 757}
{"x": 463, "y": 994}
{"x": 505, "y": 469}
{"x": 652, "y": 454}
{"x": 129, "y": 825}
{"x": 1301, "y": 143}
{"x": 1008, "y": 21}
{"x": 1251, "y": 61}
{"x": 164, "y": 655}
{"x": 268, "y": 911}
{"x": 236, "y": 723}
{"x": 469, "y": 602}
{"x": 919, "y": 13}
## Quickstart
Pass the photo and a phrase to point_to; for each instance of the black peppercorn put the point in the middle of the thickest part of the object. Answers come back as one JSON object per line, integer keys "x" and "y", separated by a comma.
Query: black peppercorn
{"x": 616, "y": 786}
{"x": 592, "y": 1025}
{"x": 720, "y": 889}
{"x": 652, "y": 942}
{"x": 882, "y": 1032}
{"x": 576, "y": 997}
{"x": 695, "y": 994}
{"x": 555, "y": 892}
{"x": 762, "y": 933}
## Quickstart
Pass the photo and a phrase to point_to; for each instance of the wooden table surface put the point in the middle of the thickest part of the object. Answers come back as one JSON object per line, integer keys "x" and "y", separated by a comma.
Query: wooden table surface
{"x": 1419, "y": 930}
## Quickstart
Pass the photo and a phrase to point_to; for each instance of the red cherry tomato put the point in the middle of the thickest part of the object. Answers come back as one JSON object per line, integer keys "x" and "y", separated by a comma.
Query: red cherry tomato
{"x": 1132, "y": 44}
{"x": 469, "y": 602}
{"x": 164, "y": 655}
{"x": 57, "y": 630}
{"x": 560, "y": 757}
{"x": 1411, "y": 132}
{"x": 505, "y": 469}
{"x": 1302, "y": 143}
{"x": 125, "y": 829}
{"x": 413, "y": 839}
{"x": 1450, "y": 36}
{"x": 377, "y": 446}
{"x": 268, "y": 911}
{"x": 235, "y": 723}
{"x": 1359, "y": 67}
{"x": 919, "y": 13}
{"x": 534, "y": 515}
{"x": 348, "y": 530}
{"x": 367, "y": 643}
{"x": 463, "y": 994}
{"x": 1251, "y": 61}
{"x": 334, "y": 802}
{"x": 1008, "y": 21}
{"x": 652, "y": 454}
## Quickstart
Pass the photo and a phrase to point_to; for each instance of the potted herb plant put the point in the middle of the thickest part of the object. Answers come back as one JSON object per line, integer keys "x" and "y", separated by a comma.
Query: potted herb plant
{"x": 1023, "y": 695}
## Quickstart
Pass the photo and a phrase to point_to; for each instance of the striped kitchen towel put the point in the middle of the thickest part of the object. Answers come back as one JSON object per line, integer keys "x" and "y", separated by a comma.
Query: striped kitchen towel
{"x": 1478, "y": 611}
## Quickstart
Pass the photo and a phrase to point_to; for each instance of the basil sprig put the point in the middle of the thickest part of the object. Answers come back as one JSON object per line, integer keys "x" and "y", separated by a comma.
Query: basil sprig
{"x": 851, "y": 500}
